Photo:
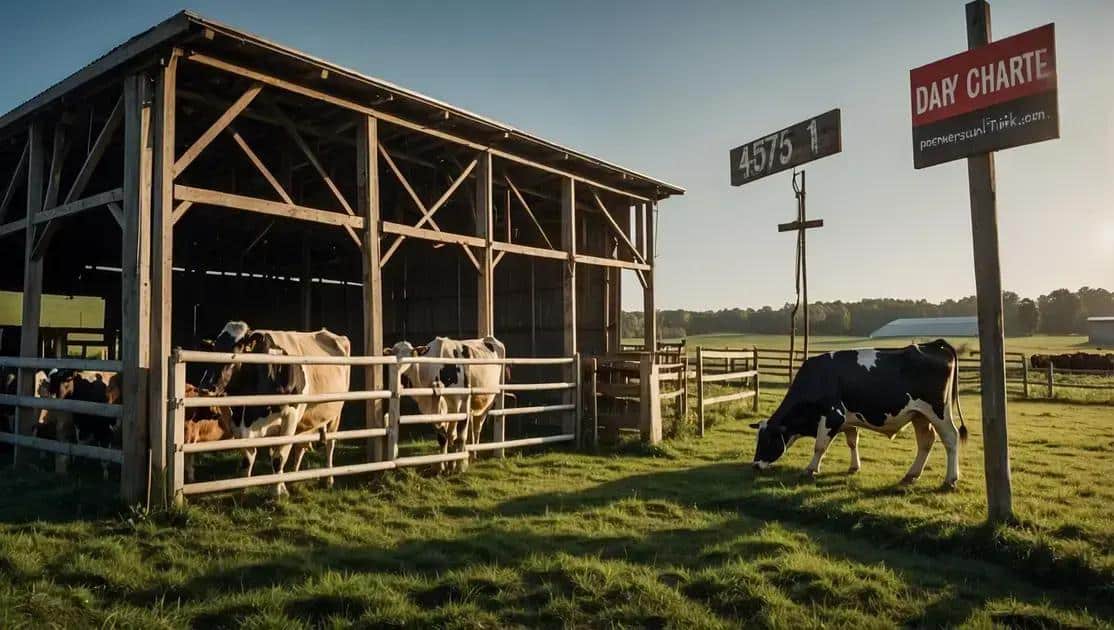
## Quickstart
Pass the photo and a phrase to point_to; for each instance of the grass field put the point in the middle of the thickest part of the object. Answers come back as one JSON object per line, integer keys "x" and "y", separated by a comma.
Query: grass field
{"x": 684, "y": 535}
{"x": 1054, "y": 344}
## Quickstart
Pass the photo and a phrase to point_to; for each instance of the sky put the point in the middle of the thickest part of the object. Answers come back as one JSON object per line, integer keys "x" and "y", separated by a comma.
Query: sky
{"x": 667, "y": 88}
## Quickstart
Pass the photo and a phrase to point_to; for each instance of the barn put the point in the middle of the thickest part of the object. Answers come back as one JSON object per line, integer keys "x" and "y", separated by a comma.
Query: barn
{"x": 921, "y": 327}
{"x": 197, "y": 174}
{"x": 1100, "y": 330}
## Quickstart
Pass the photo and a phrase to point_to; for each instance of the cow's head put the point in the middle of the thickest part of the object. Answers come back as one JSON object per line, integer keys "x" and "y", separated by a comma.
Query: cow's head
{"x": 61, "y": 383}
{"x": 232, "y": 339}
{"x": 404, "y": 349}
{"x": 253, "y": 379}
{"x": 773, "y": 440}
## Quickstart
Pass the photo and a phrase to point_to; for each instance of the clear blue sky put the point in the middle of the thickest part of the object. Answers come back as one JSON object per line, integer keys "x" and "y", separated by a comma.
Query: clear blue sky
{"x": 667, "y": 88}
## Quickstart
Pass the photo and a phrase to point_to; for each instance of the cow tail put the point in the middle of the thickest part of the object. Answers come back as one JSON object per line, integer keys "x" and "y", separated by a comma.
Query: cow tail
{"x": 955, "y": 395}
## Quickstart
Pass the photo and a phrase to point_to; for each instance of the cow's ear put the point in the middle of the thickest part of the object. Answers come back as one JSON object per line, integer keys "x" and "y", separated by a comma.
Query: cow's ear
{"x": 207, "y": 345}
{"x": 388, "y": 352}
{"x": 421, "y": 350}
{"x": 755, "y": 425}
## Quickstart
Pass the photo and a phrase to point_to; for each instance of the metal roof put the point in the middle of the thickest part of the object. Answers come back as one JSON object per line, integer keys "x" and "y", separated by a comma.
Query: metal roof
{"x": 188, "y": 27}
{"x": 930, "y": 327}
{"x": 1105, "y": 318}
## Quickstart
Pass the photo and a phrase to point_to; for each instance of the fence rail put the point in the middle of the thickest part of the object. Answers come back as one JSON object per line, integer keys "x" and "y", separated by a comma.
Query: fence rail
{"x": 749, "y": 376}
{"x": 381, "y": 426}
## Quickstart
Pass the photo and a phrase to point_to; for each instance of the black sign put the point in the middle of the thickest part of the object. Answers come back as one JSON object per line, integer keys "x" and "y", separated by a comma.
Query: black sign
{"x": 803, "y": 142}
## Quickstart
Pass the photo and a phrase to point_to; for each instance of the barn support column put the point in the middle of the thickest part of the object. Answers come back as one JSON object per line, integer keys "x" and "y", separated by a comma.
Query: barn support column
{"x": 650, "y": 402}
{"x": 135, "y": 286}
{"x": 367, "y": 184}
{"x": 485, "y": 290}
{"x": 648, "y": 306}
{"x": 32, "y": 276}
{"x": 568, "y": 244}
{"x": 162, "y": 281}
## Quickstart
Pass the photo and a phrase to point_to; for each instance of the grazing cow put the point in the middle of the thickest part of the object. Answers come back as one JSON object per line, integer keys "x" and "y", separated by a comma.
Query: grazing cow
{"x": 878, "y": 389}
{"x": 441, "y": 375}
{"x": 237, "y": 379}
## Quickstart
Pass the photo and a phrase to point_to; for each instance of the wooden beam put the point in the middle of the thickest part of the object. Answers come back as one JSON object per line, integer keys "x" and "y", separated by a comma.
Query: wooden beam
{"x": 13, "y": 226}
{"x": 104, "y": 138}
{"x": 611, "y": 262}
{"x": 485, "y": 228}
{"x": 367, "y": 199}
{"x": 181, "y": 209}
{"x": 57, "y": 160}
{"x": 217, "y": 127}
{"x": 618, "y": 230}
{"x": 263, "y": 206}
{"x": 527, "y": 250}
{"x": 117, "y": 213}
{"x": 649, "y": 308}
{"x": 259, "y": 166}
{"x": 569, "y": 345}
{"x": 135, "y": 287}
{"x": 32, "y": 276}
{"x": 529, "y": 211}
{"x": 266, "y": 79}
{"x": 9, "y": 192}
{"x": 162, "y": 280}
{"x": 402, "y": 229}
{"x": 81, "y": 205}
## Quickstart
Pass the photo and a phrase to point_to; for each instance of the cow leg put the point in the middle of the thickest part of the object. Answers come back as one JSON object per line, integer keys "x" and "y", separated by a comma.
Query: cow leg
{"x": 443, "y": 440}
{"x": 330, "y": 446}
{"x": 926, "y": 437}
{"x": 852, "y": 434}
{"x": 460, "y": 444}
{"x": 949, "y": 435}
{"x": 248, "y": 462}
{"x": 823, "y": 441}
{"x": 299, "y": 451}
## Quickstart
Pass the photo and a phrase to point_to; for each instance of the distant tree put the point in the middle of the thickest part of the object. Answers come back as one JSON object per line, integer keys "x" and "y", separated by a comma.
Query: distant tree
{"x": 1028, "y": 317}
{"x": 1061, "y": 312}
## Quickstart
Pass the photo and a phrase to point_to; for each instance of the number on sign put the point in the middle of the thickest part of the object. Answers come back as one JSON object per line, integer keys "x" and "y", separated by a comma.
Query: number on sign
{"x": 815, "y": 139}
{"x": 786, "y": 144}
{"x": 744, "y": 161}
{"x": 759, "y": 156}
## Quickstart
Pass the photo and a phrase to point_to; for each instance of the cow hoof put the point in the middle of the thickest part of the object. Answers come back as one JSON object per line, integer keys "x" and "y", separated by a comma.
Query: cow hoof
{"x": 909, "y": 480}
{"x": 852, "y": 470}
{"x": 281, "y": 491}
{"x": 809, "y": 473}
{"x": 329, "y": 482}
{"x": 951, "y": 485}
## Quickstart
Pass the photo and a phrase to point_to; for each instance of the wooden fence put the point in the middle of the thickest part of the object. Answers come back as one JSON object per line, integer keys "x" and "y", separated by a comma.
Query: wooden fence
{"x": 389, "y": 426}
{"x": 708, "y": 359}
{"x": 21, "y": 402}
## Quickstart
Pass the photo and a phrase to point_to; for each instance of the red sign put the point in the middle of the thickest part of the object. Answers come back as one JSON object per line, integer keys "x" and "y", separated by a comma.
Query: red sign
{"x": 993, "y": 97}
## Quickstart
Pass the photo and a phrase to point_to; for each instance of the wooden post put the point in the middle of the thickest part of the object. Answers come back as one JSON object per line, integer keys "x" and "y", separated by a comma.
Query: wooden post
{"x": 579, "y": 396}
{"x": 650, "y": 317}
{"x": 32, "y": 278}
{"x": 367, "y": 190}
{"x": 177, "y": 461}
{"x": 594, "y": 405}
{"x": 650, "y": 395}
{"x": 1025, "y": 374}
{"x": 568, "y": 244}
{"x": 136, "y": 286}
{"x": 700, "y": 389}
{"x": 394, "y": 377}
{"x": 988, "y": 286}
{"x": 757, "y": 377}
{"x": 162, "y": 259}
{"x": 485, "y": 289}
{"x": 1051, "y": 379}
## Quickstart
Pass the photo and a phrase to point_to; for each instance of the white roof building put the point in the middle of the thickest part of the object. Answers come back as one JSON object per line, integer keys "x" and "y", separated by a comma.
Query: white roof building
{"x": 929, "y": 327}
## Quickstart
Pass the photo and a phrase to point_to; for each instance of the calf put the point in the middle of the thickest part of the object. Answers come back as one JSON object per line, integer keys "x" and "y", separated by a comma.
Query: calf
{"x": 882, "y": 390}
{"x": 448, "y": 374}
{"x": 204, "y": 424}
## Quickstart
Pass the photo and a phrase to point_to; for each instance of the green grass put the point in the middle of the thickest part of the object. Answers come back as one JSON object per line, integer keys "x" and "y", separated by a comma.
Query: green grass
{"x": 61, "y": 311}
{"x": 681, "y": 535}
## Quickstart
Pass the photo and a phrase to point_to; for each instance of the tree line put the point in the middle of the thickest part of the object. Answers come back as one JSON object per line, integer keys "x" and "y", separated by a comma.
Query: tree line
{"x": 1056, "y": 313}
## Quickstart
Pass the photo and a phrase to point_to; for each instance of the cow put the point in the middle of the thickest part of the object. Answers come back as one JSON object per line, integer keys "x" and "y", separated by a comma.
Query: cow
{"x": 204, "y": 424}
{"x": 881, "y": 390}
{"x": 448, "y": 374}
{"x": 237, "y": 379}
{"x": 80, "y": 428}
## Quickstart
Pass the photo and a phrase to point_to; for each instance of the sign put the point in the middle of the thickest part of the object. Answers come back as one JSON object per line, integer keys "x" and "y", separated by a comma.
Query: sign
{"x": 992, "y": 97}
{"x": 803, "y": 142}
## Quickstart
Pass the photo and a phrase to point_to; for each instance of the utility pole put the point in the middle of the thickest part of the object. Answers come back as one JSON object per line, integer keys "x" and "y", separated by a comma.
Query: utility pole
{"x": 800, "y": 226}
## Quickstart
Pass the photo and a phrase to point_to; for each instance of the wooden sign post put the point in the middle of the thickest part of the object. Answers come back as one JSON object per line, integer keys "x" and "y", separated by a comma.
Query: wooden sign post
{"x": 994, "y": 96}
{"x": 800, "y": 226}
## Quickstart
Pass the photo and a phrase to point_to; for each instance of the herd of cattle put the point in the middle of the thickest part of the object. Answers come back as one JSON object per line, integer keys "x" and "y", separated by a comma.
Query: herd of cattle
{"x": 216, "y": 422}
{"x": 1073, "y": 361}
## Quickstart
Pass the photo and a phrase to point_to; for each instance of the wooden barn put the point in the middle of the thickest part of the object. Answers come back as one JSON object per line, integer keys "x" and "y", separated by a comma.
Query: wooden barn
{"x": 198, "y": 174}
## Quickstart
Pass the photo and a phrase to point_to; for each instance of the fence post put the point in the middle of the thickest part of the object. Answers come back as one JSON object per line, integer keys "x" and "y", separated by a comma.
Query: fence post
{"x": 1051, "y": 391}
{"x": 650, "y": 400}
{"x": 1025, "y": 374}
{"x": 177, "y": 430}
{"x": 393, "y": 411}
{"x": 684, "y": 383}
{"x": 757, "y": 372}
{"x": 579, "y": 396}
{"x": 700, "y": 389}
{"x": 499, "y": 424}
{"x": 595, "y": 405}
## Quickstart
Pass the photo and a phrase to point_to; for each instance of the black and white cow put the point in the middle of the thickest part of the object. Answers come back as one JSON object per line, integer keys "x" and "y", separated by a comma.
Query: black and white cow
{"x": 236, "y": 379}
{"x": 881, "y": 390}
{"x": 437, "y": 376}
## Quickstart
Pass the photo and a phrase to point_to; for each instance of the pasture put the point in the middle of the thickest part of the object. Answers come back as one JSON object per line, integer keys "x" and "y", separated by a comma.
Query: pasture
{"x": 1047, "y": 344}
{"x": 682, "y": 535}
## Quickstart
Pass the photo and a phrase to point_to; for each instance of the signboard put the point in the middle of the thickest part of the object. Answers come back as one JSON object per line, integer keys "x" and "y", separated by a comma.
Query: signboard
{"x": 803, "y": 142}
{"x": 992, "y": 97}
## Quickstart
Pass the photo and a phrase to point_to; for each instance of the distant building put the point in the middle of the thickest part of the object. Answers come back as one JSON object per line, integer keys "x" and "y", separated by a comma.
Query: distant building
{"x": 1100, "y": 330}
{"x": 920, "y": 327}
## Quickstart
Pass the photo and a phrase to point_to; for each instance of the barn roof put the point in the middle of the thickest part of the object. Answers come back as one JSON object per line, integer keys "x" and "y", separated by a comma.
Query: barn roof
{"x": 1105, "y": 318}
{"x": 197, "y": 32}
{"x": 929, "y": 327}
